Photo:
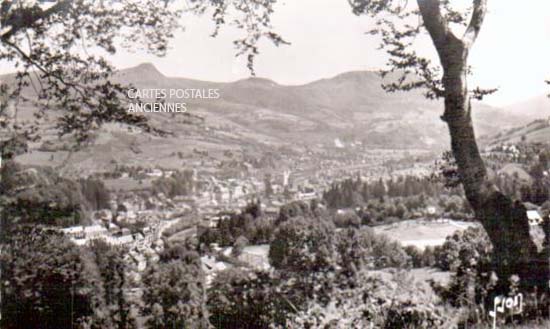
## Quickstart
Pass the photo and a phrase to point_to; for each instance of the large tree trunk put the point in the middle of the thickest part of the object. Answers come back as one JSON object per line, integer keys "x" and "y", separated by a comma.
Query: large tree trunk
{"x": 504, "y": 220}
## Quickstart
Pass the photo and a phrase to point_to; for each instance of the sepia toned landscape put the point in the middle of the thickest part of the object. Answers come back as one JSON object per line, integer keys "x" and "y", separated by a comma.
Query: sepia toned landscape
{"x": 138, "y": 192}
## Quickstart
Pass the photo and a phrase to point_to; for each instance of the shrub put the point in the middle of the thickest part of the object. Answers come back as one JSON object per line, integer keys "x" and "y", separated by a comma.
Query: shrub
{"x": 347, "y": 219}
{"x": 428, "y": 257}
{"x": 472, "y": 242}
{"x": 243, "y": 299}
{"x": 48, "y": 282}
{"x": 416, "y": 256}
{"x": 173, "y": 291}
{"x": 467, "y": 254}
{"x": 363, "y": 249}
{"x": 251, "y": 224}
{"x": 383, "y": 300}
{"x": 410, "y": 315}
{"x": 303, "y": 245}
{"x": 294, "y": 209}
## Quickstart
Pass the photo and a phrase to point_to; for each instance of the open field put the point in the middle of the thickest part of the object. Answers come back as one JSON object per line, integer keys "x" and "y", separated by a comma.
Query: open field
{"x": 422, "y": 233}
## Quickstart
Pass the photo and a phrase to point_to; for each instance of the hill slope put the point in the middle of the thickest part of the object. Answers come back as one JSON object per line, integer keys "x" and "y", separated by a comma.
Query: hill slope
{"x": 259, "y": 115}
{"x": 536, "y": 107}
{"x": 350, "y": 106}
{"x": 537, "y": 131}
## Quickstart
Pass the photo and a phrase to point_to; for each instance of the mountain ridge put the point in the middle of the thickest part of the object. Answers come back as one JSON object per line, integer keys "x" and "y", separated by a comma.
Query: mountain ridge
{"x": 259, "y": 114}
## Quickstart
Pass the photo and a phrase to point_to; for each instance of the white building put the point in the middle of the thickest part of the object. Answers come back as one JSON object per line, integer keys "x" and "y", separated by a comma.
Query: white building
{"x": 534, "y": 217}
{"x": 85, "y": 232}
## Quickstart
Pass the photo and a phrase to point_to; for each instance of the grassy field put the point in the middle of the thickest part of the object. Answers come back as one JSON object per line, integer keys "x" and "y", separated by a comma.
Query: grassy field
{"x": 422, "y": 233}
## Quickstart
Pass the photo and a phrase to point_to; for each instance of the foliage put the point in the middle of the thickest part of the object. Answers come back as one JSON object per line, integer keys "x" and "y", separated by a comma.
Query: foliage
{"x": 254, "y": 18}
{"x": 397, "y": 198}
{"x": 502, "y": 218}
{"x": 409, "y": 315}
{"x": 95, "y": 193}
{"x": 471, "y": 243}
{"x": 303, "y": 245}
{"x": 398, "y": 33}
{"x": 447, "y": 171}
{"x": 48, "y": 44}
{"x": 346, "y": 219}
{"x": 474, "y": 283}
{"x": 533, "y": 185}
{"x": 48, "y": 283}
{"x": 428, "y": 256}
{"x": 243, "y": 299}
{"x": 39, "y": 195}
{"x": 250, "y": 223}
{"x": 181, "y": 183}
{"x": 173, "y": 293}
{"x": 294, "y": 209}
{"x": 112, "y": 269}
{"x": 415, "y": 255}
{"x": 361, "y": 249}
{"x": 382, "y": 300}
{"x": 468, "y": 255}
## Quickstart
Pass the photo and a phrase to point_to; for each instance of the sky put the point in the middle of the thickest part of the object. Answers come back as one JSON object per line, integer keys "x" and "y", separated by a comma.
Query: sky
{"x": 512, "y": 52}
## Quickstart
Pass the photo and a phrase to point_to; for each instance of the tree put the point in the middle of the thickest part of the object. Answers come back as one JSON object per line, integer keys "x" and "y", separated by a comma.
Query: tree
{"x": 363, "y": 249}
{"x": 243, "y": 299}
{"x": 303, "y": 245}
{"x": 416, "y": 256}
{"x": 39, "y": 196}
{"x": 345, "y": 219}
{"x": 504, "y": 220}
{"x": 48, "y": 43}
{"x": 48, "y": 283}
{"x": 111, "y": 267}
{"x": 293, "y": 209}
{"x": 95, "y": 192}
{"x": 174, "y": 295}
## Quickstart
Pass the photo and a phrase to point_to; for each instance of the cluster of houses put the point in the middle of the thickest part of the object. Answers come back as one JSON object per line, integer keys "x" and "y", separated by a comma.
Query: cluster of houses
{"x": 505, "y": 152}
{"x": 105, "y": 227}
{"x": 142, "y": 247}
{"x": 110, "y": 233}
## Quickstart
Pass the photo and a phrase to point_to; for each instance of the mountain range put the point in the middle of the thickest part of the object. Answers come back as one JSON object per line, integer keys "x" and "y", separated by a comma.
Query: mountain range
{"x": 349, "y": 106}
{"x": 260, "y": 114}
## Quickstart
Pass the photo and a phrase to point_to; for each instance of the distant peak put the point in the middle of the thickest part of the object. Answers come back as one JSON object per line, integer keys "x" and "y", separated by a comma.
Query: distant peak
{"x": 147, "y": 66}
{"x": 355, "y": 74}
{"x": 350, "y": 76}
{"x": 257, "y": 81}
{"x": 145, "y": 69}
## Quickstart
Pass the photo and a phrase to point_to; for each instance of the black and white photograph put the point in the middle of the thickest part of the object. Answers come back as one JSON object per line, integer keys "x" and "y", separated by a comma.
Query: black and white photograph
{"x": 274, "y": 164}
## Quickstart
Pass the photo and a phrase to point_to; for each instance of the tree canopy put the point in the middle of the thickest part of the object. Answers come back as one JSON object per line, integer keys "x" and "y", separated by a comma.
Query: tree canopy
{"x": 453, "y": 33}
{"x": 60, "y": 52}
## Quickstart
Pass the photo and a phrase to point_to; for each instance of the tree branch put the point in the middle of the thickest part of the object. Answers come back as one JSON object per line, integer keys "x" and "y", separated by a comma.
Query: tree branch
{"x": 434, "y": 21}
{"x": 47, "y": 74}
{"x": 26, "y": 18}
{"x": 472, "y": 31}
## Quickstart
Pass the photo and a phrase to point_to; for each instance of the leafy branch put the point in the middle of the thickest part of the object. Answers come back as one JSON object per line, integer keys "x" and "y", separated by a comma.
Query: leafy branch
{"x": 251, "y": 16}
